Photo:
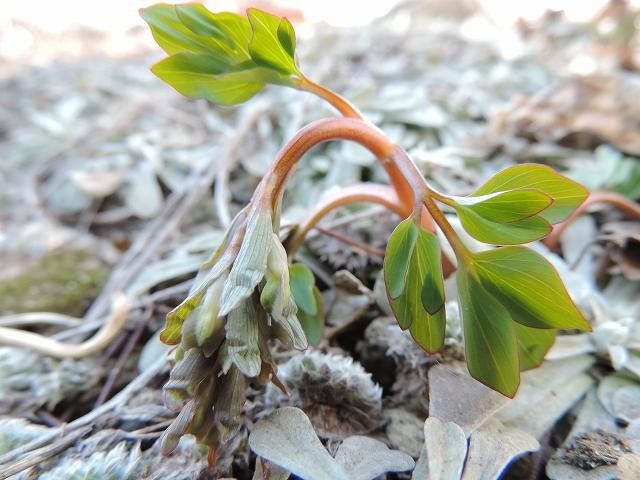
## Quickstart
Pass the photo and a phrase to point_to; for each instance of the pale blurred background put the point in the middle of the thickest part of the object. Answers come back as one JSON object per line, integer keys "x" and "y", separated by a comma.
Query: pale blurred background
{"x": 33, "y": 30}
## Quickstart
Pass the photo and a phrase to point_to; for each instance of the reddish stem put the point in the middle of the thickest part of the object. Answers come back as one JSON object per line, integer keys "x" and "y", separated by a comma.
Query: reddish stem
{"x": 627, "y": 206}
{"x": 347, "y": 109}
{"x": 319, "y": 132}
{"x": 362, "y": 192}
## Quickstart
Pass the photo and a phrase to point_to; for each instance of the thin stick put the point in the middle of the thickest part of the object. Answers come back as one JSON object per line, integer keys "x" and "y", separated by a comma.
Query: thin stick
{"x": 54, "y": 348}
{"x": 31, "y": 318}
{"x": 42, "y": 454}
{"x": 351, "y": 241}
{"x": 122, "y": 360}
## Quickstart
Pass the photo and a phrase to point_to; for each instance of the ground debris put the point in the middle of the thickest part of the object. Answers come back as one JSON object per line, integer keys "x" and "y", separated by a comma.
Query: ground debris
{"x": 589, "y": 450}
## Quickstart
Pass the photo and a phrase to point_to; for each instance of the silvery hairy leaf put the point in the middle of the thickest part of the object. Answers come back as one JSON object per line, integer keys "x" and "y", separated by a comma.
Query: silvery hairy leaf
{"x": 492, "y": 447}
{"x": 286, "y": 437}
{"x": 444, "y": 451}
{"x": 365, "y": 458}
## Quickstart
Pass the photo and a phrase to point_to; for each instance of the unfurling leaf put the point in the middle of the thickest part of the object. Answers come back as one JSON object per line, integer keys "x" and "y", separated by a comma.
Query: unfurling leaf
{"x": 222, "y": 57}
{"x": 567, "y": 195}
{"x": 267, "y": 47}
{"x": 413, "y": 273}
{"x": 232, "y": 30}
{"x": 173, "y": 36}
{"x": 398, "y": 257}
{"x": 506, "y": 207}
{"x": 287, "y": 36}
{"x": 521, "y": 231}
{"x": 518, "y": 205}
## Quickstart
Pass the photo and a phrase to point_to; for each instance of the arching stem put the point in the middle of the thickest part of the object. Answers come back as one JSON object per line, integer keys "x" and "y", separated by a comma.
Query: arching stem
{"x": 347, "y": 109}
{"x": 337, "y": 129}
{"x": 361, "y": 192}
{"x": 625, "y": 205}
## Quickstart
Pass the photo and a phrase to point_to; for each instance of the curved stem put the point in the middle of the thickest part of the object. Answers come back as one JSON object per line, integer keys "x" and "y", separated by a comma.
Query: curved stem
{"x": 627, "y": 206}
{"x": 460, "y": 249}
{"x": 344, "y": 106}
{"x": 347, "y": 109}
{"x": 314, "y": 134}
{"x": 362, "y": 192}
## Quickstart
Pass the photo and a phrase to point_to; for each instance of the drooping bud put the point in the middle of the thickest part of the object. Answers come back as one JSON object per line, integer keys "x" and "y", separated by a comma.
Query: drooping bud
{"x": 242, "y": 339}
{"x": 251, "y": 262}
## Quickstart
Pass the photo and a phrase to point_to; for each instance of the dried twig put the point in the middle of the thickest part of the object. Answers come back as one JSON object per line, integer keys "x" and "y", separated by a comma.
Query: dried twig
{"x": 351, "y": 241}
{"x": 31, "y": 318}
{"x": 49, "y": 346}
{"x": 122, "y": 359}
{"x": 42, "y": 454}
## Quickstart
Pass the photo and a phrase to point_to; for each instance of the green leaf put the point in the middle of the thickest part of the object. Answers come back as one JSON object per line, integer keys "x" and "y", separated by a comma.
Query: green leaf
{"x": 231, "y": 29}
{"x": 199, "y": 20}
{"x": 506, "y": 207}
{"x": 489, "y": 336}
{"x": 419, "y": 306}
{"x": 427, "y": 256}
{"x": 266, "y": 48}
{"x": 287, "y": 36}
{"x": 174, "y": 37}
{"x": 528, "y": 287}
{"x": 172, "y": 331}
{"x": 566, "y": 193}
{"x": 398, "y": 256}
{"x": 201, "y": 76}
{"x": 302, "y": 283}
{"x": 428, "y": 331}
{"x": 313, "y": 324}
{"x": 533, "y": 345}
{"x": 521, "y": 231}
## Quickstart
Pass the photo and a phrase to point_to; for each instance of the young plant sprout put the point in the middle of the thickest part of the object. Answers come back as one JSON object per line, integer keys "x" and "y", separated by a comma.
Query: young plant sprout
{"x": 249, "y": 292}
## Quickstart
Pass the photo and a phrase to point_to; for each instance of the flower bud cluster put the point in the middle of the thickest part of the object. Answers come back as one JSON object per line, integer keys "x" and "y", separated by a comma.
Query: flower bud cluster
{"x": 241, "y": 301}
